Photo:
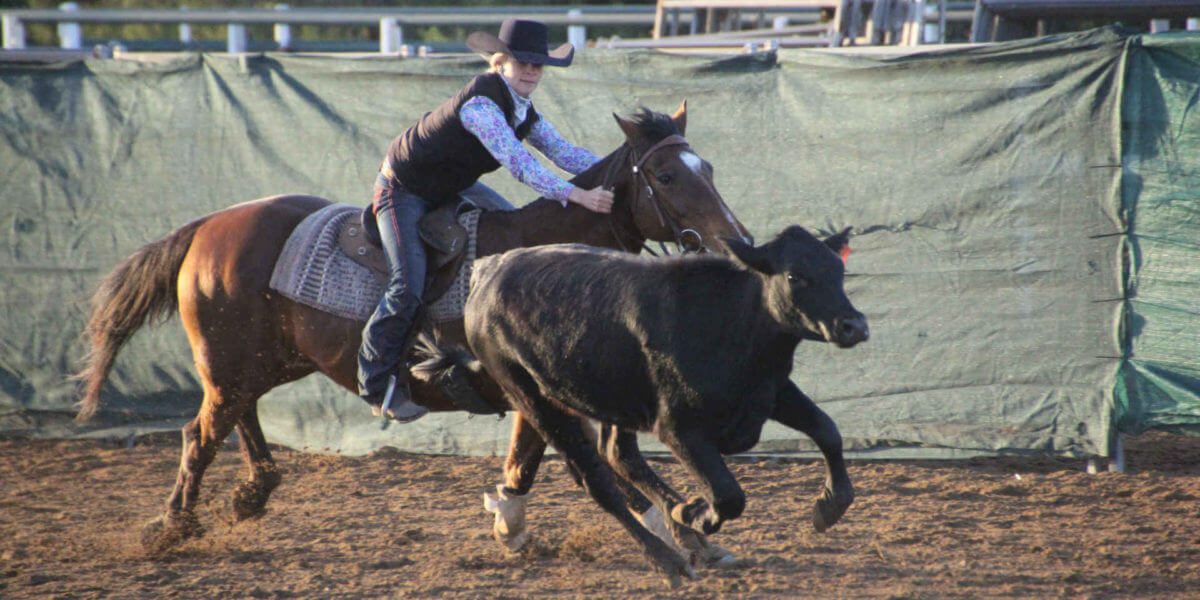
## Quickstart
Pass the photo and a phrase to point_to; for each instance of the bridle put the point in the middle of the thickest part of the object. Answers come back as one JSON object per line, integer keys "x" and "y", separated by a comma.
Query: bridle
{"x": 644, "y": 190}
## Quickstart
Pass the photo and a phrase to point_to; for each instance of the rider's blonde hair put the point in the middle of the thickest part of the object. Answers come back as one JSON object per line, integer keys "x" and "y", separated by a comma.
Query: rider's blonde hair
{"x": 497, "y": 60}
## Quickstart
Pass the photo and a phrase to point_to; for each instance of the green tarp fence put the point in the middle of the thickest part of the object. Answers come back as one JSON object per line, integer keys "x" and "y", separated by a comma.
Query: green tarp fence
{"x": 1160, "y": 141}
{"x": 1026, "y": 220}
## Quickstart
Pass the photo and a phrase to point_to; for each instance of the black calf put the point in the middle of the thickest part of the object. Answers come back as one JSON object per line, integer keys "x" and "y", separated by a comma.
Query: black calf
{"x": 697, "y": 350}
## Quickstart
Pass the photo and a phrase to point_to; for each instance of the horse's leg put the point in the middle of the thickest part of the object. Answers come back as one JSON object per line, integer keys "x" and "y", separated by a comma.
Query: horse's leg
{"x": 567, "y": 433}
{"x": 250, "y": 496}
{"x": 236, "y": 333}
{"x": 635, "y": 478}
{"x": 723, "y": 497}
{"x": 525, "y": 450}
{"x": 202, "y": 438}
{"x": 794, "y": 409}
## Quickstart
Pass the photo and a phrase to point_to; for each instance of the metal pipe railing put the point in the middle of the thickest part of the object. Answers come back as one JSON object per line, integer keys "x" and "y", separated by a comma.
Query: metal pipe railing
{"x": 390, "y": 21}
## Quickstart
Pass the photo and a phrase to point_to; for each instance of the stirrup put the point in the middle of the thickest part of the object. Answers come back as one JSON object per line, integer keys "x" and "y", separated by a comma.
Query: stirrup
{"x": 406, "y": 411}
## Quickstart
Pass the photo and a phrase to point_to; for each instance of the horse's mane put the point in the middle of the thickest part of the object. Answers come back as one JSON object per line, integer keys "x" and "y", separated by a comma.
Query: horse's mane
{"x": 654, "y": 127}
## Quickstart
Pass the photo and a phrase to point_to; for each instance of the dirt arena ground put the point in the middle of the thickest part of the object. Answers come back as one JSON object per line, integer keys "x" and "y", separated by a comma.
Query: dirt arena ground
{"x": 394, "y": 525}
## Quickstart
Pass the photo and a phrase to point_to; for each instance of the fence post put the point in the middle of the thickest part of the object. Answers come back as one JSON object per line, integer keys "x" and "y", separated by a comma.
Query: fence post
{"x": 576, "y": 34}
{"x": 70, "y": 35}
{"x": 391, "y": 37}
{"x": 913, "y": 31}
{"x": 235, "y": 42}
{"x": 14, "y": 33}
{"x": 935, "y": 23}
{"x": 283, "y": 31}
{"x": 185, "y": 31}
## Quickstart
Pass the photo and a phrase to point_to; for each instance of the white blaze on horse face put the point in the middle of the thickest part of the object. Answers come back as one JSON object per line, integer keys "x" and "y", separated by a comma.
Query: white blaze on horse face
{"x": 696, "y": 164}
{"x": 692, "y": 161}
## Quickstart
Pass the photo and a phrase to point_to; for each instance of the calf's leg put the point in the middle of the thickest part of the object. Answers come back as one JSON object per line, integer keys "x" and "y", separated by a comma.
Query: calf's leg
{"x": 794, "y": 409}
{"x": 635, "y": 477}
{"x": 566, "y": 433}
{"x": 525, "y": 452}
{"x": 723, "y": 497}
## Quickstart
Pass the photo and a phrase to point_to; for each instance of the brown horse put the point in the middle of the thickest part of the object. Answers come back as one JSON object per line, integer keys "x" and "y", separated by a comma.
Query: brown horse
{"x": 247, "y": 339}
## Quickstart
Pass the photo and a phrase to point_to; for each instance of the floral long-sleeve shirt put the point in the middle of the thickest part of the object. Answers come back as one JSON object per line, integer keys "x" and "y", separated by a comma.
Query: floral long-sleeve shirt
{"x": 484, "y": 119}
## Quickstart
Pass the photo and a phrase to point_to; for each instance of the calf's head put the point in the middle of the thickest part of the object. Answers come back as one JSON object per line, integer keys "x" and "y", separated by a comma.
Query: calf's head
{"x": 802, "y": 284}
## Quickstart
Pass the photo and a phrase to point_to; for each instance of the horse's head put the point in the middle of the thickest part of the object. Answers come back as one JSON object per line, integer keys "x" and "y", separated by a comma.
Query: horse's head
{"x": 802, "y": 284}
{"x": 669, "y": 188}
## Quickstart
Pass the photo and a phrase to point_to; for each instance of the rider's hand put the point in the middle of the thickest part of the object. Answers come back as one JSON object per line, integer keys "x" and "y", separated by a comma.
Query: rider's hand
{"x": 596, "y": 200}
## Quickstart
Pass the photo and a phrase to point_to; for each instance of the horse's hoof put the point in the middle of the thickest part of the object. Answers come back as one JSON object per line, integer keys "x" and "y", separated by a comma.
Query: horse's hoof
{"x": 167, "y": 531}
{"x": 509, "y": 525}
{"x": 248, "y": 501}
{"x": 512, "y": 542}
{"x": 829, "y": 508}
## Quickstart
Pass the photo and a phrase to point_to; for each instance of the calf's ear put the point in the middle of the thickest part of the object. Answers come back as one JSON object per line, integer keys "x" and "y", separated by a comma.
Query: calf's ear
{"x": 756, "y": 259}
{"x": 840, "y": 243}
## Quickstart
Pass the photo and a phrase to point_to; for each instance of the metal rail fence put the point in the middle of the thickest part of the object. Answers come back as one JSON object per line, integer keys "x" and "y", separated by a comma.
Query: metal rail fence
{"x": 391, "y": 22}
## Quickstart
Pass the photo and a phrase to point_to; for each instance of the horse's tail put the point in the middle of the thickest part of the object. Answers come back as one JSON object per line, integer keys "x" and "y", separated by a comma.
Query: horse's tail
{"x": 438, "y": 360}
{"x": 459, "y": 375}
{"x": 139, "y": 290}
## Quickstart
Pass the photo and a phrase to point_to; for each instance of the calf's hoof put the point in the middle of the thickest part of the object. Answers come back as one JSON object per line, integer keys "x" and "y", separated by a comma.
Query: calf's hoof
{"x": 694, "y": 546}
{"x": 716, "y": 557}
{"x": 830, "y": 507}
{"x": 169, "y": 530}
{"x": 698, "y": 515}
{"x": 668, "y": 562}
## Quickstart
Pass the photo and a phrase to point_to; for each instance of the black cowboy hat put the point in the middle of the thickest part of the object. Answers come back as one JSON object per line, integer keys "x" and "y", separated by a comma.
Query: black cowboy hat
{"x": 524, "y": 40}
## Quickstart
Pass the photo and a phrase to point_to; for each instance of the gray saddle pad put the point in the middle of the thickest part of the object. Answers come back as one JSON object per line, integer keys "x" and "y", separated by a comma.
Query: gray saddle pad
{"x": 314, "y": 271}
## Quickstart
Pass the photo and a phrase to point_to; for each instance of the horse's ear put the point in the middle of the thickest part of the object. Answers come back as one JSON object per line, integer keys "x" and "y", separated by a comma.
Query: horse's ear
{"x": 840, "y": 243}
{"x": 632, "y": 132}
{"x": 680, "y": 117}
{"x": 755, "y": 259}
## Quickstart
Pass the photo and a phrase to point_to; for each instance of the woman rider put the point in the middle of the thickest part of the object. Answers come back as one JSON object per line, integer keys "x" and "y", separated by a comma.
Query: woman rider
{"x": 441, "y": 158}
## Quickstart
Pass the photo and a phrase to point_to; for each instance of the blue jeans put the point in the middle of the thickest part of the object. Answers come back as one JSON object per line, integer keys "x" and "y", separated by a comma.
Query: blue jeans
{"x": 397, "y": 212}
{"x": 486, "y": 198}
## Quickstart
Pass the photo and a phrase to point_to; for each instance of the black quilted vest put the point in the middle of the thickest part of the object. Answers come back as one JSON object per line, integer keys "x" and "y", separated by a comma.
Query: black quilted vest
{"x": 437, "y": 158}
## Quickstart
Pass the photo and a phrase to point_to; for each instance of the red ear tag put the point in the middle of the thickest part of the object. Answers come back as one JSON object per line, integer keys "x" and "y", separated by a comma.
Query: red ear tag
{"x": 844, "y": 252}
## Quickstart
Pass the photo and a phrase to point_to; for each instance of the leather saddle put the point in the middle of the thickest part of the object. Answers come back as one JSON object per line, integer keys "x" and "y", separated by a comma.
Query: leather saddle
{"x": 445, "y": 246}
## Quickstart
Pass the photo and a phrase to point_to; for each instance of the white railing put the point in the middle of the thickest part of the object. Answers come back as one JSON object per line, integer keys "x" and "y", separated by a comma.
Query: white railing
{"x": 391, "y": 22}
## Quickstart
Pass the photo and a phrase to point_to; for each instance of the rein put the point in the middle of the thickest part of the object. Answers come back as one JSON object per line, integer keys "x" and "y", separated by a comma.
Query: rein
{"x": 642, "y": 182}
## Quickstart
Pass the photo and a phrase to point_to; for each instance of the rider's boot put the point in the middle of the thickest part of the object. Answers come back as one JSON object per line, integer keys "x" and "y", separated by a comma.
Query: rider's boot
{"x": 397, "y": 403}
{"x": 382, "y": 368}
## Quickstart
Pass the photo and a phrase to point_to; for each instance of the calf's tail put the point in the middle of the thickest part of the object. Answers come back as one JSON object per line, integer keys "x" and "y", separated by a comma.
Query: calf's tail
{"x": 141, "y": 289}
